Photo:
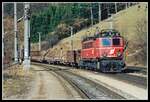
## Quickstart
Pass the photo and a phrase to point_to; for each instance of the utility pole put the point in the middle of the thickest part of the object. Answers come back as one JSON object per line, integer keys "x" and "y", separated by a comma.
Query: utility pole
{"x": 15, "y": 31}
{"x": 39, "y": 41}
{"x": 29, "y": 45}
{"x": 91, "y": 15}
{"x": 126, "y": 5}
{"x": 2, "y": 34}
{"x": 79, "y": 8}
{"x": 71, "y": 41}
{"x": 111, "y": 18}
{"x": 20, "y": 54}
{"x": 71, "y": 38}
{"x": 26, "y": 36}
{"x": 99, "y": 12}
{"x": 111, "y": 21}
{"x": 61, "y": 56}
{"x": 115, "y": 7}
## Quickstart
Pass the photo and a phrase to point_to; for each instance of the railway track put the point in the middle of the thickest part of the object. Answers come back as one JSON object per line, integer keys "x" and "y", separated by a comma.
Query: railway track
{"x": 132, "y": 79}
{"x": 67, "y": 84}
{"x": 136, "y": 69}
{"x": 86, "y": 87}
{"x": 129, "y": 78}
{"x": 135, "y": 80}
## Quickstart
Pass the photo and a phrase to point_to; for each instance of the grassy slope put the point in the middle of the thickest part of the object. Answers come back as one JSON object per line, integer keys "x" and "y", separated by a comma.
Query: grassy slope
{"x": 124, "y": 21}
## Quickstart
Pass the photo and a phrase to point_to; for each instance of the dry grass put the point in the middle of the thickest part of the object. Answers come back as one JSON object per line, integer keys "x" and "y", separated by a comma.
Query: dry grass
{"x": 16, "y": 82}
{"x": 17, "y": 71}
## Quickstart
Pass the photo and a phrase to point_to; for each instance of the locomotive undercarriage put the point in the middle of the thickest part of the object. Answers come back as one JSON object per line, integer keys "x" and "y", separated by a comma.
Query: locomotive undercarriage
{"x": 112, "y": 65}
{"x": 103, "y": 65}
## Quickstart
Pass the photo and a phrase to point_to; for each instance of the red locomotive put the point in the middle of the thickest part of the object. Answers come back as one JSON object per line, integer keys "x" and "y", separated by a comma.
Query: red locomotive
{"x": 103, "y": 52}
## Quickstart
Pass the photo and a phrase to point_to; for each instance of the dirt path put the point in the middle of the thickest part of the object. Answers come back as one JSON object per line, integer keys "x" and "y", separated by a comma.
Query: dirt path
{"x": 47, "y": 86}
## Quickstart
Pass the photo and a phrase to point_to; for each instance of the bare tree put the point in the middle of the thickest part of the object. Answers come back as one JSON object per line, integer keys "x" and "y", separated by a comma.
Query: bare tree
{"x": 141, "y": 31}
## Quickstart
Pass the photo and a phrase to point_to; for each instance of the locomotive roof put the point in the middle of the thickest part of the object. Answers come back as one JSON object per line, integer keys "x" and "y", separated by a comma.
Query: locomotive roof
{"x": 109, "y": 30}
{"x": 104, "y": 33}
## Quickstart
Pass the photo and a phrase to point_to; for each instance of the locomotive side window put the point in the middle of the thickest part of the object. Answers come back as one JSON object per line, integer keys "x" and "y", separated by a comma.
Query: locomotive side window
{"x": 87, "y": 45}
{"x": 116, "y": 41}
{"x": 106, "y": 42}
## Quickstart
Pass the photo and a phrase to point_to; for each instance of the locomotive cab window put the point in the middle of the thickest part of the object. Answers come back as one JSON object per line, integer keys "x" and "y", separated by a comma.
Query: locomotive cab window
{"x": 116, "y": 41}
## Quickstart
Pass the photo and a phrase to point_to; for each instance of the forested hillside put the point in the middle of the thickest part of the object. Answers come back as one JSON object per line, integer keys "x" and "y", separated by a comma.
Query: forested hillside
{"x": 55, "y": 21}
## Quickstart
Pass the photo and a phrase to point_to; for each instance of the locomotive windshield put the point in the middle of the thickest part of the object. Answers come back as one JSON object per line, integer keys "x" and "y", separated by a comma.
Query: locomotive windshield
{"x": 116, "y": 41}
{"x": 109, "y": 33}
{"x": 106, "y": 42}
{"x": 110, "y": 42}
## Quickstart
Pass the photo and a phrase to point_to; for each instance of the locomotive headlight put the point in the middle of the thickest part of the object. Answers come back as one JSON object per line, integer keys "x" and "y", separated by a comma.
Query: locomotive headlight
{"x": 119, "y": 54}
{"x": 104, "y": 54}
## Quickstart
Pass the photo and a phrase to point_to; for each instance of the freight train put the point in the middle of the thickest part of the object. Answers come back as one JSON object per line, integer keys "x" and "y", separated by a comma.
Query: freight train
{"x": 102, "y": 52}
